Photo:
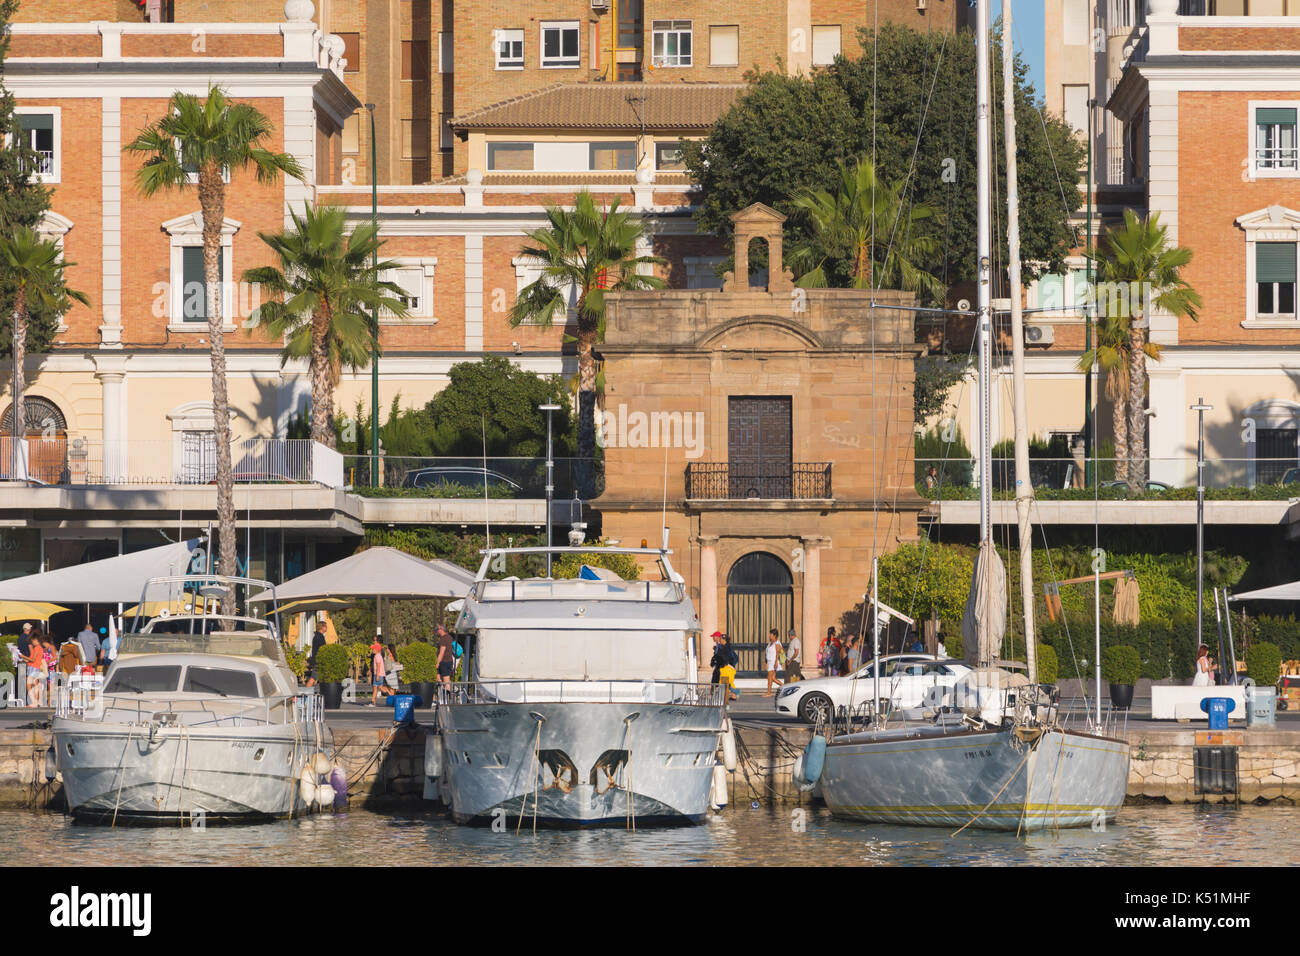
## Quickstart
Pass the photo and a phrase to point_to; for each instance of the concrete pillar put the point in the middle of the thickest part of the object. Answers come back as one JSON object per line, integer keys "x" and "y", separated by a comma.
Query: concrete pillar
{"x": 708, "y": 598}
{"x": 809, "y": 634}
{"x": 114, "y": 455}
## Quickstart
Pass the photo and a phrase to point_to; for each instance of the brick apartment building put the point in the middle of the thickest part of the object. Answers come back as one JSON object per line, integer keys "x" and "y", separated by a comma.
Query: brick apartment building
{"x": 485, "y": 112}
{"x": 1192, "y": 117}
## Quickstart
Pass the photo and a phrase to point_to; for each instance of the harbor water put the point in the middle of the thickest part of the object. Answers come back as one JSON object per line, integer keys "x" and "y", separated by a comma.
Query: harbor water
{"x": 1153, "y": 835}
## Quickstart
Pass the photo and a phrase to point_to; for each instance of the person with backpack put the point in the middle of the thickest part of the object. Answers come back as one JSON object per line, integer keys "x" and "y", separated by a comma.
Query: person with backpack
{"x": 829, "y": 655}
{"x": 727, "y": 660}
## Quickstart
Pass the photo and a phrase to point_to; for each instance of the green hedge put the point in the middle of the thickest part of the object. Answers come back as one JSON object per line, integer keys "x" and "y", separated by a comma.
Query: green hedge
{"x": 419, "y": 663}
{"x": 6, "y": 660}
{"x": 332, "y": 664}
{"x": 1263, "y": 663}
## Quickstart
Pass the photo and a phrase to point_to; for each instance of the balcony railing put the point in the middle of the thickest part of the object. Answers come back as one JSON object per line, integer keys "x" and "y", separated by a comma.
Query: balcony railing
{"x": 731, "y": 481}
{"x": 444, "y": 477}
{"x": 1260, "y": 478}
{"x": 1278, "y": 157}
{"x": 187, "y": 460}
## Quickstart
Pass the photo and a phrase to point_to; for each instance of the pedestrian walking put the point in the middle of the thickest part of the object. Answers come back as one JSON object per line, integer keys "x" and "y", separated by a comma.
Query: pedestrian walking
{"x": 36, "y": 672}
{"x": 773, "y": 653}
{"x": 727, "y": 665}
{"x": 317, "y": 642}
{"x": 446, "y": 656}
{"x": 853, "y": 656}
{"x": 391, "y": 668}
{"x": 1204, "y": 676}
{"x": 717, "y": 660}
{"x": 828, "y": 657}
{"x": 90, "y": 645}
{"x": 377, "y": 674}
{"x": 793, "y": 658}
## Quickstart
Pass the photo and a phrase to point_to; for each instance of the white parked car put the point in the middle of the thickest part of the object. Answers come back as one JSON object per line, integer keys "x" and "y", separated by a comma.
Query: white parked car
{"x": 905, "y": 679}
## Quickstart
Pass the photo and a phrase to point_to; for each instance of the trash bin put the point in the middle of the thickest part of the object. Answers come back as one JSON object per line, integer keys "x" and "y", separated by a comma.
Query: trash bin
{"x": 1260, "y": 706}
{"x": 403, "y": 707}
{"x": 1218, "y": 709}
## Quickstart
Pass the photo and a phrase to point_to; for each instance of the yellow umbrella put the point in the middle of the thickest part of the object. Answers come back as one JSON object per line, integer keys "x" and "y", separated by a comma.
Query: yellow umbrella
{"x": 28, "y": 611}
{"x": 307, "y": 605}
{"x": 155, "y": 609}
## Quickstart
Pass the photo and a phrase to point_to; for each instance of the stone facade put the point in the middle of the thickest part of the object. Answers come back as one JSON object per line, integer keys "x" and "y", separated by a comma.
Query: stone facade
{"x": 675, "y": 363}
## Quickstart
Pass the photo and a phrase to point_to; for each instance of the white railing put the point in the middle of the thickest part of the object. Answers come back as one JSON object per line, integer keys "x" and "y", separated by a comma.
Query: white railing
{"x": 207, "y": 712}
{"x": 677, "y": 693}
{"x": 1277, "y": 157}
{"x": 76, "y": 460}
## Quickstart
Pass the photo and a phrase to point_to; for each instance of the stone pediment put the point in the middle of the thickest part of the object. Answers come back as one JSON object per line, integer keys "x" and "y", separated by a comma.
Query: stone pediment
{"x": 760, "y": 333}
{"x": 757, "y": 213}
{"x": 1271, "y": 222}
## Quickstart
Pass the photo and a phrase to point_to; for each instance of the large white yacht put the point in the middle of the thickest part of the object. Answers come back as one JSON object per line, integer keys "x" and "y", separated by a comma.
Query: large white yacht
{"x": 200, "y": 718}
{"x": 579, "y": 704}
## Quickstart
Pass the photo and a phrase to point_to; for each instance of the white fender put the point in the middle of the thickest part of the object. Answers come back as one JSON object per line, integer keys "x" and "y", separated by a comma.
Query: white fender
{"x": 728, "y": 745}
{"x": 320, "y": 765}
{"x": 718, "y": 790}
{"x": 325, "y": 795}
{"x": 307, "y": 786}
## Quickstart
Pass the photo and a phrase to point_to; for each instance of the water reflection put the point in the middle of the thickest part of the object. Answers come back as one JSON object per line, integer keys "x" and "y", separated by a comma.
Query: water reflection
{"x": 1144, "y": 836}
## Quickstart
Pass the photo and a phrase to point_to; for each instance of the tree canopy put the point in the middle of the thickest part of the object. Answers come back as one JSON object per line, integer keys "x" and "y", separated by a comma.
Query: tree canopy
{"x": 23, "y": 202}
{"x": 787, "y": 134}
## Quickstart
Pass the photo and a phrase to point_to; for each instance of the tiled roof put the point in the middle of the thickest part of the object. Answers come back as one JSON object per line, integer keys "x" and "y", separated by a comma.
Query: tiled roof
{"x": 658, "y": 106}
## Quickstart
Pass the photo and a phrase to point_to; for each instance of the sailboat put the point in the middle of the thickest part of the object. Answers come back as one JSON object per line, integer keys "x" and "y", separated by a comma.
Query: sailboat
{"x": 993, "y": 753}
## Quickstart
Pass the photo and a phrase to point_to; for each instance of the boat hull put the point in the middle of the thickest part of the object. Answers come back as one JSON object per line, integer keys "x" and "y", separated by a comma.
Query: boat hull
{"x": 590, "y": 765}
{"x": 1001, "y": 782}
{"x": 113, "y": 772}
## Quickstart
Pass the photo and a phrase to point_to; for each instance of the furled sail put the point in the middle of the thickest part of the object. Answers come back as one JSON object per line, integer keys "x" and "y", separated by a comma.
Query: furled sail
{"x": 985, "y": 620}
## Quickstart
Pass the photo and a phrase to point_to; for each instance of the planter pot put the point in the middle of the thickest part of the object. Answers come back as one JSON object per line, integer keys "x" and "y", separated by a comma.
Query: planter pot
{"x": 333, "y": 694}
{"x": 1121, "y": 695}
{"x": 428, "y": 691}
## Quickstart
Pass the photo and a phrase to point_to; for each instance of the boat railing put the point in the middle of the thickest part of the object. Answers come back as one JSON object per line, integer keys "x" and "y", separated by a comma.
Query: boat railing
{"x": 578, "y": 589}
{"x": 285, "y": 709}
{"x": 675, "y": 693}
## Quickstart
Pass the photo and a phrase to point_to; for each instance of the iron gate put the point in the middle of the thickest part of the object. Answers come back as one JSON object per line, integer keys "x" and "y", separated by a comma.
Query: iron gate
{"x": 760, "y": 596}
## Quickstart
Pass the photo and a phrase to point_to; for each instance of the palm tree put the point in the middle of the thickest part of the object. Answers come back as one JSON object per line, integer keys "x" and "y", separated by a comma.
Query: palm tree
{"x": 321, "y": 296}
{"x": 1141, "y": 272}
{"x": 205, "y": 140}
{"x": 865, "y": 234}
{"x": 35, "y": 267}
{"x": 592, "y": 251}
{"x": 1110, "y": 354}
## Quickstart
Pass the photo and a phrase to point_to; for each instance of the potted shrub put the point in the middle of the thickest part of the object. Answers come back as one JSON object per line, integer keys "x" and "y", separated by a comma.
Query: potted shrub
{"x": 1120, "y": 666}
{"x": 420, "y": 669}
{"x": 331, "y": 671}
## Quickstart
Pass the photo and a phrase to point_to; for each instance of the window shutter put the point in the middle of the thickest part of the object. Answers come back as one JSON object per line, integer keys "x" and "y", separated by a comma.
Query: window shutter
{"x": 1275, "y": 261}
{"x": 1268, "y": 116}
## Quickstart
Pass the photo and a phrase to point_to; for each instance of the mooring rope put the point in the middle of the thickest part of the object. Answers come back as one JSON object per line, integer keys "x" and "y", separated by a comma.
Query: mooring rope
{"x": 630, "y": 819}
{"x": 121, "y": 766}
{"x": 1013, "y": 776}
{"x": 533, "y": 769}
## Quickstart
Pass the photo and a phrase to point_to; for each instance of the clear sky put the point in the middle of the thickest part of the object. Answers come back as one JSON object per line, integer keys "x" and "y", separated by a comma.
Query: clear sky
{"x": 1027, "y": 34}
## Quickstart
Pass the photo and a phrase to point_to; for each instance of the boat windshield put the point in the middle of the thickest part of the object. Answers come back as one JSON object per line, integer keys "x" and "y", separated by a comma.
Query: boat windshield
{"x": 226, "y": 643}
{"x": 577, "y": 589}
{"x": 144, "y": 679}
{"x": 221, "y": 681}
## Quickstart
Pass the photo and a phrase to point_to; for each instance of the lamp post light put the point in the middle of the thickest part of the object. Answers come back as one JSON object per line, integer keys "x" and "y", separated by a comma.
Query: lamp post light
{"x": 374, "y": 311}
{"x": 1200, "y": 408}
{"x": 549, "y": 408}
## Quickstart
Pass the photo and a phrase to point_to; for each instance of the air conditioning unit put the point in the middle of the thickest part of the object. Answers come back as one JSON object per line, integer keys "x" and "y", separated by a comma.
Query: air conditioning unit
{"x": 1039, "y": 335}
{"x": 600, "y": 4}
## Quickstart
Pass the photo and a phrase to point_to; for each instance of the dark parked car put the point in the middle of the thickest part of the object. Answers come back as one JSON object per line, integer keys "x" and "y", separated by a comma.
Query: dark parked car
{"x": 445, "y": 476}
{"x": 1150, "y": 486}
{"x": 1290, "y": 476}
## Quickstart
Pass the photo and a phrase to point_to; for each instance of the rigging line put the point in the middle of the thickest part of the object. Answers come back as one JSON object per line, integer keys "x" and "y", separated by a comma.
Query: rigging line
{"x": 1015, "y": 773}
{"x": 916, "y": 149}
{"x": 1051, "y": 569}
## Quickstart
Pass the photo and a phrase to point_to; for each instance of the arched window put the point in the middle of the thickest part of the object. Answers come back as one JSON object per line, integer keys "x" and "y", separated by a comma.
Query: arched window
{"x": 1275, "y": 449}
{"x": 42, "y": 415}
{"x": 44, "y": 455}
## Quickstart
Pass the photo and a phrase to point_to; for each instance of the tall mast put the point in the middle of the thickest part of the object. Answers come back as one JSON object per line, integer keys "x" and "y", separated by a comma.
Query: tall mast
{"x": 1020, "y": 411}
{"x": 983, "y": 152}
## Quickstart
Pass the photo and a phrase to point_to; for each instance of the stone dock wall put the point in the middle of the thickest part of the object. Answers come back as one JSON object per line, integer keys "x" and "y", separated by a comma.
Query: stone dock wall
{"x": 385, "y": 768}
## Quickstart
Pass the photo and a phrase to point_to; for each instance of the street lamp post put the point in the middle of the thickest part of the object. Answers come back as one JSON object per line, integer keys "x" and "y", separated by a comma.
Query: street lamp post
{"x": 1089, "y": 446}
{"x": 374, "y": 311}
{"x": 549, "y": 408}
{"x": 1200, "y": 408}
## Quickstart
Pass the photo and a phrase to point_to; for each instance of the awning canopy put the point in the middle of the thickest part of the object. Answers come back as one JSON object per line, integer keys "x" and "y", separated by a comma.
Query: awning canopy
{"x": 110, "y": 581}
{"x": 377, "y": 572}
{"x": 1279, "y": 592}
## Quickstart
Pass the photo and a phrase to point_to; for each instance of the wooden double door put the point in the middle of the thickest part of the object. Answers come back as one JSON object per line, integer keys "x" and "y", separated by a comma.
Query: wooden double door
{"x": 760, "y": 460}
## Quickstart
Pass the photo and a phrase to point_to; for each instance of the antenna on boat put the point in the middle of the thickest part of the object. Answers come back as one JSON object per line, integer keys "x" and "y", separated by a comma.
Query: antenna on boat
{"x": 663, "y": 516}
{"x": 487, "y": 515}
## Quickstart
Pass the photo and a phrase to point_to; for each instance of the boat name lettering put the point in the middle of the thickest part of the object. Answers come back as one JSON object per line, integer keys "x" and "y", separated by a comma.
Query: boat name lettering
{"x": 675, "y": 711}
{"x": 493, "y": 714}
{"x": 972, "y": 754}
{"x": 243, "y": 744}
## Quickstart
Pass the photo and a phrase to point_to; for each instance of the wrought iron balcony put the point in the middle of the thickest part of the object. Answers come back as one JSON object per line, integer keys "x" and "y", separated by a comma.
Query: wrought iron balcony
{"x": 731, "y": 481}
